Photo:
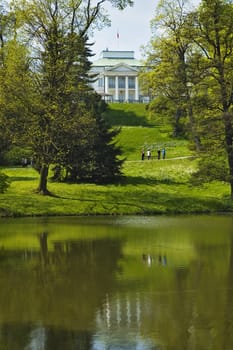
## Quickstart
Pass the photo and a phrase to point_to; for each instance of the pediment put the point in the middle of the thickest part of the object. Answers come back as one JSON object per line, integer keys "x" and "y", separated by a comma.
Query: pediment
{"x": 121, "y": 67}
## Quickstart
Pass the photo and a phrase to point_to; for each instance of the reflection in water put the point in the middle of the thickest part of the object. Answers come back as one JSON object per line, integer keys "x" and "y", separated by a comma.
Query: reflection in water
{"x": 100, "y": 286}
{"x": 118, "y": 324}
{"x": 149, "y": 259}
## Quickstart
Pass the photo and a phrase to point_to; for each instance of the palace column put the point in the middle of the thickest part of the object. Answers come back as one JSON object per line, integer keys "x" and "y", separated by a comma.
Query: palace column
{"x": 105, "y": 84}
{"x": 127, "y": 89}
{"x": 116, "y": 89}
{"x": 136, "y": 89}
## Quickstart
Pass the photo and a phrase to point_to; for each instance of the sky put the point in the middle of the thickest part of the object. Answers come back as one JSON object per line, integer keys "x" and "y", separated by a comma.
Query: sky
{"x": 130, "y": 29}
{"x": 132, "y": 26}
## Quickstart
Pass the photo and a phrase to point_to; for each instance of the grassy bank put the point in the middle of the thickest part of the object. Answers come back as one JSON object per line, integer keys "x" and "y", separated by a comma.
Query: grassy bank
{"x": 148, "y": 187}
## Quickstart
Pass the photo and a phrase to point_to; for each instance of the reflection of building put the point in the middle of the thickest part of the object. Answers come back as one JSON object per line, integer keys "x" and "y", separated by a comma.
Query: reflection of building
{"x": 120, "y": 323}
{"x": 117, "y": 76}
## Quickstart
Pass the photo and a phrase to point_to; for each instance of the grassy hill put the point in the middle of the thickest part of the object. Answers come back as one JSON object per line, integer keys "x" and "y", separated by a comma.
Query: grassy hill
{"x": 140, "y": 130}
{"x": 147, "y": 188}
{"x": 128, "y": 114}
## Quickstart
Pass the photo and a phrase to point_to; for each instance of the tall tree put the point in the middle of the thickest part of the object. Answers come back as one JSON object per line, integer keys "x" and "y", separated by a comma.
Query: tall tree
{"x": 170, "y": 78}
{"x": 7, "y": 24}
{"x": 202, "y": 42}
{"x": 5, "y": 29}
{"x": 213, "y": 35}
{"x": 15, "y": 82}
{"x": 93, "y": 158}
{"x": 59, "y": 33}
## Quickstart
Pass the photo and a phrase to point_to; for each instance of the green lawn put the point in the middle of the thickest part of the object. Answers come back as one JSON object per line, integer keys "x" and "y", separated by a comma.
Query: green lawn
{"x": 133, "y": 139}
{"x": 148, "y": 187}
{"x": 140, "y": 130}
{"x": 129, "y": 114}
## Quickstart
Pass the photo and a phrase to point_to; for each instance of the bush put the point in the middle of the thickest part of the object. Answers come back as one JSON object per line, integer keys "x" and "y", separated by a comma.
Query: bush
{"x": 4, "y": 182}
{"x": 15, "y": 155}
{"x": 211, "y": 168}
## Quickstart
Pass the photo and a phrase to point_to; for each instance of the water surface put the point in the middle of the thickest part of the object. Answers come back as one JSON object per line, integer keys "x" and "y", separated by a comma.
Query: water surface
{"x": 135, "y": 283}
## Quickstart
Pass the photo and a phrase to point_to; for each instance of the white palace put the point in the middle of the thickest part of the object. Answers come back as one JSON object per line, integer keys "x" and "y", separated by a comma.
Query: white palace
{"x": 117, "y": 77}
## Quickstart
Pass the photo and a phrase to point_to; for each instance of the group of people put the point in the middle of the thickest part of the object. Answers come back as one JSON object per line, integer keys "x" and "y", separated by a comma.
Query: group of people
{"x": 25, "y": 162}
{"x": 161, "y": 153}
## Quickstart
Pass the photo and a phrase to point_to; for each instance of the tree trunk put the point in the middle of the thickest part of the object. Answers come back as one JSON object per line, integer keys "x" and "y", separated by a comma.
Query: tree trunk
{"x": 177, "y": 128}
{"x": 192, "y": 122}
{"x": 227, "y": 117}
{"x": 42, "y": 188}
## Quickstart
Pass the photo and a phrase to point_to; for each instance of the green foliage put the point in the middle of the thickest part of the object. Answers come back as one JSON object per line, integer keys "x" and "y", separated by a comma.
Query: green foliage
{"x": 65, "y": 129}
{"x": 121, "y": 4}
{"x": 191, "y": 79}
{"x": 167, "y": 112}
{"x": 15, "y": 95}
{"x": 7, "y": 26}
{"x": 15, "y": 155}
{"x": 168, "y": 79}
{"x": 64, "y": 117}
{"x": 4, "y": 182}
{"x": 93, "y": 158}
{"x": 146, "y": 187}
{"x": 211, "y": 168}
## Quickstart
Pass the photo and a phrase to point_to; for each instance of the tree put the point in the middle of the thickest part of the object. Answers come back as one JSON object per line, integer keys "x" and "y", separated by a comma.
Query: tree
{"x": 213, "y": 34}
{"x": 95, "y": 157}
{"x": 164, "y": 84}
{"x": 15, "y": 84}
{"x": 59, "y": 33}
{"x": 170, "y": 77}
{"x": 192, "y": 69}
{"x": 5, "y": 28}
{"x": 15, "y": 91}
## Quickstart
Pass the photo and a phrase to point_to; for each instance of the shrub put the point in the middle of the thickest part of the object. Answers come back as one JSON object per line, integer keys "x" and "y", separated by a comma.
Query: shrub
{"x": 15, "y": 155}
{"x": 210, "y": 168}
{"x": 4, "y": 182}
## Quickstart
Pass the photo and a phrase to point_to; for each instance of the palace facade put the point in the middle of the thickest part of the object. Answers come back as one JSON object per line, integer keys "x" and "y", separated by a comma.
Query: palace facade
{"x": 117, "y": 77}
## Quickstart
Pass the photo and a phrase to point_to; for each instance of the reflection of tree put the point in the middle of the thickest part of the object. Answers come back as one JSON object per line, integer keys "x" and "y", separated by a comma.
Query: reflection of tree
{"x": 58, "y": 339}
{"x": 43, "y": 238}
{"x": 183, "y": 307}
{"x": 228, "y": 339}
{"x": 14, "y": 337}
{"x": 55, "y": 295}
{"x": 60, "y": 289}
{"x": 18, "y": 337}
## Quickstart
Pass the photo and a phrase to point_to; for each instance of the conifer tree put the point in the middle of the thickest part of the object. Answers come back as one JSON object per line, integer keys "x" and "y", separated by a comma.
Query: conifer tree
{"x": 64, "y": 121}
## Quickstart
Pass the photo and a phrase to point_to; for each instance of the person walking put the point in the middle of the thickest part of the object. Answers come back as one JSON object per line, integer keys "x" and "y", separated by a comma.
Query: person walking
{"x": 159, "y": 153}
{"x": 163, "y": 153}
{"x": 148, "y": 154}
{"x": 143, "y": 154}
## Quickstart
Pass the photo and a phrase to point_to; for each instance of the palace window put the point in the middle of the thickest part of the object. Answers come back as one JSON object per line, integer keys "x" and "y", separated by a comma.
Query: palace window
{"x": 121, "y": 82}
{"x": 101, "y": 82}
{"x": 131, "y": 82}
{"x": 111, "y": 82}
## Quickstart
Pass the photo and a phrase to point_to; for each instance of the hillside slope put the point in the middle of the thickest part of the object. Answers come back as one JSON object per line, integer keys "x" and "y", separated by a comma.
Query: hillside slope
{"x": 141, "y": 131}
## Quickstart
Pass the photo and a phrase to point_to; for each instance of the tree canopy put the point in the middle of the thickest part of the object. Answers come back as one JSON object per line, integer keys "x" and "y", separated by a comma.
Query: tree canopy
{"x": 191, "y": 71}
{"x": 55, "y": 110}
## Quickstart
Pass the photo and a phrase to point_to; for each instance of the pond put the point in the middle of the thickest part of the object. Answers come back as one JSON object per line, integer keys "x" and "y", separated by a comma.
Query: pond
{"x": 135, "y": 283}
